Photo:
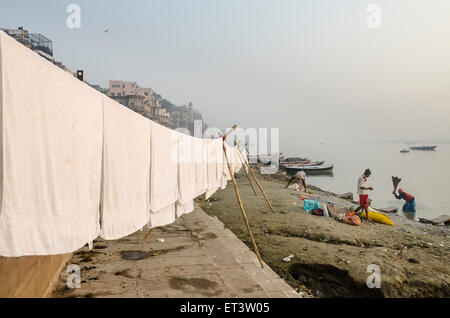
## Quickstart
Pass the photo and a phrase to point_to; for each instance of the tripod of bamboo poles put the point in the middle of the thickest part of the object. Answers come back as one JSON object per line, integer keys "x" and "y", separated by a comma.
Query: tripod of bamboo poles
{"x": 241, "y": 206}
{"x": 256, "y": 180}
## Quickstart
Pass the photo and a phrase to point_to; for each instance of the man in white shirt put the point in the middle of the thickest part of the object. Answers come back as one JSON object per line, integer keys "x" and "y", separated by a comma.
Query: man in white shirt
{"x": 363, "y": 191}
{"x": 299, "y": 177}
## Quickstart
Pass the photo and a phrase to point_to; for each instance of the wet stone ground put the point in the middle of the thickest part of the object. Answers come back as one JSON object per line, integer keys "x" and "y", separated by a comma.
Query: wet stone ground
{"x": 197, "y": 258}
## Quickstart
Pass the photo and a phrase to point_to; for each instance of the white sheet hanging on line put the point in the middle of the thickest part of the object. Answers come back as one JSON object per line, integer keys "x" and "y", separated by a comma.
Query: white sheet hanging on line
{"x": 222, "y": 168}
{"x": 230, "y": 155}
{"x": 201, "y": 166}
{"x": 162, "y": 217}
{"x": 215, "y": 165}
{"x": 163, "y": 174}
{"x": 184, "y": 208}
{"x": 186, "y": 174}
{"x": 241, "y": 154}
{"x": 186, "y": 168}
{"x": 126, "y": 171}
{"x": 237, "y": 162}
{"x": 51, "y": 130}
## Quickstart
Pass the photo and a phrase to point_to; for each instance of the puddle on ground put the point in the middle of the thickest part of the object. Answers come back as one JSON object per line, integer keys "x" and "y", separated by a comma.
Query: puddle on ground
{"x": 197, "y": 283}
{"x": 202, "y": 286}
{"x": 203, "y": 237}
{"x": 208, "y": 236}
{"x": 129, "y": 273}
{"x": 138, "y": 255}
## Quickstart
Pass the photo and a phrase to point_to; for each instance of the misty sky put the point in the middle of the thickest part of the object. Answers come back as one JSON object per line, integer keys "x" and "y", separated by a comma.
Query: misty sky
{"x": 312, "y": 68}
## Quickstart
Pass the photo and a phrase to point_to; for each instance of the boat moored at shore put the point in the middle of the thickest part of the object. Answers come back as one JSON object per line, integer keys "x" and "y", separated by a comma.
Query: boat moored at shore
{"x": 425, "y": 148}
{"x": 319, "y": 168}
{"x": 304, "y": 164}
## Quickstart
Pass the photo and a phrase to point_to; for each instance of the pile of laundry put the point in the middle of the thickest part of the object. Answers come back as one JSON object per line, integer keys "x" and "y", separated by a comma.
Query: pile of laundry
{"x": 349, "y": 217}
{"x": 77, "y": 165}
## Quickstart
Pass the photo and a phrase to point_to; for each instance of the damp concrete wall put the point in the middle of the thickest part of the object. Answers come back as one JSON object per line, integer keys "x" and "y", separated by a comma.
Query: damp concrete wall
{"x": 30, "y": 276}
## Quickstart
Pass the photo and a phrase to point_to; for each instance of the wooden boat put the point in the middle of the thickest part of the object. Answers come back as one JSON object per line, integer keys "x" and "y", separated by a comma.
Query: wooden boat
{"x": 265, "y": 158}
{"x": 307, "y": 164}
{"x": 284, "y": 163}
{"x": 442, "y": 220}
{"x": 306, "y": 168}
{"x": 426, "y": 148}
{"x": 295, "y": 159}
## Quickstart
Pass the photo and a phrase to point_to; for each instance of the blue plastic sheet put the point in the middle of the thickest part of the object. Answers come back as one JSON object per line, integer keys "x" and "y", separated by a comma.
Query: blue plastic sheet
{"x": 310, "y": 205}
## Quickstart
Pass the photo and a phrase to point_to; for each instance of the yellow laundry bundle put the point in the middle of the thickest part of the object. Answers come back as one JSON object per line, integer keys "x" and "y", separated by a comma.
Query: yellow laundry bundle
{"x": 378, "y": 218}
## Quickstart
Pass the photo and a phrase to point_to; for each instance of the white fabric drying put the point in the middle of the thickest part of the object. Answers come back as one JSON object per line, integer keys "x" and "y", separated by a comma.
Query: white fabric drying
{"x": 230, "y": 156}
{"x": 186, "y": 168}
{"x": 184, "y": 208}
{"x": 126, "y": 171}
{"x": 201, "y": 166}
{"x": 235, "y": 161}
{"x": 242, "y": 158}
{"x": 215, "y": 165}
{"x": 222, "y": 168}
{"x": 51, "y": 150}
{"x": 53, "y": 131}
{"x": 163, "y": 174}
{"x": 239, "y": 160}
{"x": 186, "y": 182}
{"x": 162, "y": 217}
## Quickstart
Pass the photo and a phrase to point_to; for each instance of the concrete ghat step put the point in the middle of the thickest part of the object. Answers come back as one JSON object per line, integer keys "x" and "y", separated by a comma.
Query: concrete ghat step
{"x": 198, "y": 258}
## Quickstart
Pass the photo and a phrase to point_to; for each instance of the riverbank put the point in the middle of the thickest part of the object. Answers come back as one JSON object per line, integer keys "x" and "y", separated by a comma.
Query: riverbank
{"x": 331, "y": 258}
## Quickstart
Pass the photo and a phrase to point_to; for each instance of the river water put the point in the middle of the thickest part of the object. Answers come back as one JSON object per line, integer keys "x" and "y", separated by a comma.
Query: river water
{"x": 424, "y": 174}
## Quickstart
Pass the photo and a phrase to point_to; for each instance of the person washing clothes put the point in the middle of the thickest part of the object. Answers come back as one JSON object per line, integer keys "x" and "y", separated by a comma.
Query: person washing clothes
{"x": 363, "y": 191}
{"x": 410, "y": 204}
{"x": 299, "y": 177}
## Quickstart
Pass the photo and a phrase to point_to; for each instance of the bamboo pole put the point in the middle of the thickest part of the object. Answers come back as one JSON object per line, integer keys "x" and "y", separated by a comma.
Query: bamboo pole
{"x": 203, "y": 202}
{"x": 229, "y": 132}
{"x": 148, "y": 234}
{"x": 241, "y": 206}
{"x": 245, "y": 170}
{"x": 257, "y": 183}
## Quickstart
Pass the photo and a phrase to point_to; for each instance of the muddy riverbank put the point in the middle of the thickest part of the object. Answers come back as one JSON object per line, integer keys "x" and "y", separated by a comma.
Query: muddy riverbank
{"x": 331, "y": 258}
